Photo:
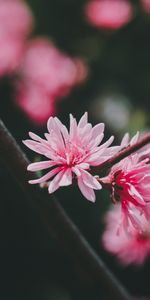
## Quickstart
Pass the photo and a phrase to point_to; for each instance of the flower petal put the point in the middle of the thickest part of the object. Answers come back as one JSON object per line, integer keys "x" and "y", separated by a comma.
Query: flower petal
{"x": 83, "y": 121}
{"x": 54, "y": 184}
{"x": 42, "y": 165}
{"x": 66, "y": 178}
{"x": 87, "y": 192}
{"x": 90, "y": 180}
{"x": 46, "y": 177}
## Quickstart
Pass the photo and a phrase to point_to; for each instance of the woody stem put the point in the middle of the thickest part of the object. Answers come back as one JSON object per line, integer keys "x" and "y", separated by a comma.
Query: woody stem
{"x": 122, "y": 154}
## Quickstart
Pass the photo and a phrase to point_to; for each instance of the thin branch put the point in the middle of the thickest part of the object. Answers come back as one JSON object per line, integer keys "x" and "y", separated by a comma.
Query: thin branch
{"x": 57, "y": 222}
{"x": 123, "y": 153}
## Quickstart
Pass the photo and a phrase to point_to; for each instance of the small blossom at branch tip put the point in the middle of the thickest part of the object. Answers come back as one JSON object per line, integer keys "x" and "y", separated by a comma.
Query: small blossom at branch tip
{"x": 131, "y": 248}
{"x": 130, "y": 185}
{"x": 70, "y": 154}
{"x": 109, "y": 14}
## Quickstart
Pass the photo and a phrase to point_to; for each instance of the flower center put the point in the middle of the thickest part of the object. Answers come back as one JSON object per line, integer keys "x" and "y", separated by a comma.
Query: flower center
{"x": 117, "y": 186}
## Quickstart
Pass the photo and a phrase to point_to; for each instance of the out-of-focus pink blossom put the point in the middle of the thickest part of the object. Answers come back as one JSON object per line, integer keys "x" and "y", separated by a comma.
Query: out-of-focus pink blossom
{"x": 70, "y": 154}
{"x": 146, "y": 5}
{"x": 15, "y": 17}
{"x": 47, "y": 73}
{"x": 130, "y": 248}
{"x": 15, "y": 24}
{"x": 130, "y": 185}
{"x": 44, "y": 65}
{"x": 109, "y": 14}
{"x": 10, "y": 54}
{"x": 35, "y": 103}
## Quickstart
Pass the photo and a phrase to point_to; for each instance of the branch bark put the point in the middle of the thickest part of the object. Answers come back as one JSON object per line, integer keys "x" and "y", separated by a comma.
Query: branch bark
{"x": 57, "y": 221}
{"x": 122, "y": 154}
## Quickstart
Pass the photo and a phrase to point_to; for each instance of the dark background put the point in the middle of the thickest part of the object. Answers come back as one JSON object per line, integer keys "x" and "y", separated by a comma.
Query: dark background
{"x": 117, "y": 91}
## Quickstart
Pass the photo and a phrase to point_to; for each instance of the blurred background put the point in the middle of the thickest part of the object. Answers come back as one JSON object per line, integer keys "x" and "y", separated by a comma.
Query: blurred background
{"x": 58, "y": 57}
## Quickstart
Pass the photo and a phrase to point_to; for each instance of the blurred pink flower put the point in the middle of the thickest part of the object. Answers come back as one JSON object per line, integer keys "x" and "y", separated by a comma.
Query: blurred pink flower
{"x": 15, "y": 17}
{"x": 109, "y": 14}
{"x": 46, "y": 74}
{"x": 129, "y": 180}
{"x": 16, "y": 23}
{"x": 70, "y": 153}
{"x": 35, "y": 102}
{"x": 44, "y": 65}
{"x": 130, "y": 248}
{"x": 146, "y": 5}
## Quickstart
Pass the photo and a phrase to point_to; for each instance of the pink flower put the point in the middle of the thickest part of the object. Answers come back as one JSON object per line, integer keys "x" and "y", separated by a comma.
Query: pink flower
{"x": 129, "y": 248}
{"x": 109, "y": 14}
{"x": 129, "y": 180}
{"x": 70, "y": 154}
{"x": 46, "y": 74}
{"x": 16, "y": 22}
{"x": 44, "y": 65}
{"x": 35, "y": 103}
{"x": 15, "y": 17}
{"x": 146, "y": 5}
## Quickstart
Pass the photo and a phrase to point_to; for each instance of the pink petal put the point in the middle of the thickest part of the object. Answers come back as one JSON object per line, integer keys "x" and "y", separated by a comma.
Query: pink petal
{"x": 66, "y": 178}
{"x": 35, "y": 146}
{"x": 76, "y": 171}
{"x": 83, "y": 121}
{"x": 35, "y": 137}
{"x": 42, "y": 165}
{"x": 125, "y": 140}
{"x": 90, "y": 180}
{"x": 136, "y": 195}
{"x": 87, "y": 192}
{"x": 46, "y": 177}
{"x": 107, "y": 143}
{"x": 54, "y": 184}
{"x": 97, "y": 130}
{"x": 84, "y": 166}
{"x": 134, "y": 139}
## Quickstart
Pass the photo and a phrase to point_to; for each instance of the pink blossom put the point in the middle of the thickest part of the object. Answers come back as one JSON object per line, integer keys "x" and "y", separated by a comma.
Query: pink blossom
{"x": 129, "y": 248}
{"x": 44, "y": 65}
{"x": 109, "y": 14}
{"x": 70, "y": 154}
{"x": 16, "y": 22}
{"x": 129, "y": 180}
{"x": 146, "y": 5}
{"x": 35, "y": 103}
{"x": 15, "y": 17}
{"x": 46, "y": 74}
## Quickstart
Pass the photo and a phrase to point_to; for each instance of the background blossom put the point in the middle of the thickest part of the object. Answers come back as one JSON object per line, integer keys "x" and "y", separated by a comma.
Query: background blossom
{"x": 130, "y": 248}
{"x": 109, "y": 14}
{"x": 16, "y": 22}
{"x": 47, "y": 74}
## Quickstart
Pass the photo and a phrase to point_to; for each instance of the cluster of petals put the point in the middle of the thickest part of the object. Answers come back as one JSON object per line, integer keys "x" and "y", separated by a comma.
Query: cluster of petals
{"x": 109, "y": 14}
{"x": 130, "y": 184}
{"x": 70, "y": 154}
{"x": 130, "y": 248}
{"x": 48, "y": 72}
{"x": 16, "y": 23}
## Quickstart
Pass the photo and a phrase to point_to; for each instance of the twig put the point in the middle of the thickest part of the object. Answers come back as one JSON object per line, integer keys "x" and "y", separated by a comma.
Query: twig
{"x": 123, "y": 153}
{"x": 57, "y": 221}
